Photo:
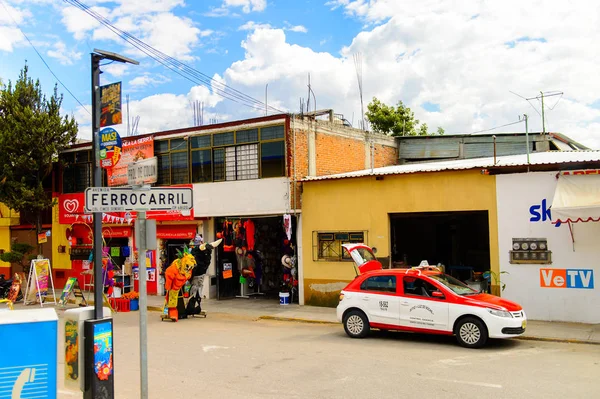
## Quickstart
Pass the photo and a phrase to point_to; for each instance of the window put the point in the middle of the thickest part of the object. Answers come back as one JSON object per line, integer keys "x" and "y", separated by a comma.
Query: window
{"x": 379, "y": 284}
{"x": 228, "y": 156}
{"x": 272, "y": 159}
{"x": 418, "y": 286}
{"x": 77, "y": 174}
{"x": 328, "y": 246}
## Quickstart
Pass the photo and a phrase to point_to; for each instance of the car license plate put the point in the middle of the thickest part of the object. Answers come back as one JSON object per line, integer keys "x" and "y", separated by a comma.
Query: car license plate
{"x": 524, "y": 324}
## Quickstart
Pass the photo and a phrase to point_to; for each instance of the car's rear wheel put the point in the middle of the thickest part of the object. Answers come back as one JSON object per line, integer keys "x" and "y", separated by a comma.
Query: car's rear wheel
{"x": 471, "y": 333}
{"x": 356, "y": 324}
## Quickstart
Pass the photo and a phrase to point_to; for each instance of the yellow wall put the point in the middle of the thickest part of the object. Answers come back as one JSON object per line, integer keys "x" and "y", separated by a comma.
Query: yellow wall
{"x": 365, "y": 204}
{"x": 59, "y": 237}
{"x": 8, "y": 218}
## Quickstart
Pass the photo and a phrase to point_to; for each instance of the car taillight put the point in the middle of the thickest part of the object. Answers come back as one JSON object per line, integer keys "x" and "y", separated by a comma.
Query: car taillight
{"x": 341, "y": 297}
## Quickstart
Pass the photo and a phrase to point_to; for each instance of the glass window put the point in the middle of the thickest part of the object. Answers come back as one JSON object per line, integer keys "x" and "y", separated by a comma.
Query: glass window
{"x": 246, "y": 136}
{"x": 329, "y": 246}
{"x": 379, "y": 284}
{"x": 200, "y": 141}
{"x": 161, "y": 145}
{"x": 201, "y": 166}
{"x": 68, "y": 157}
{"x": 164, "y": 170}
{"x": 272, "y": 132}
{"x": 455, "y": 285}
{"x": 222, "y": 139}
{"x": 418, "y": 286}
{"x": 246, "y": 162}
{"x": 272, "y": 159}
{"x": 179, "y": 168}
{"x": 82, "y": 156}
{"x": 178, "y": 144}
{"x": 219, "y": 164}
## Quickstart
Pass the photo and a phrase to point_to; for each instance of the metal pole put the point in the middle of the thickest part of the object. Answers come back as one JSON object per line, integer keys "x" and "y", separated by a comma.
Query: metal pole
{"x": 143, "y": 306}
{"x": 266, "y": 98}
{"x": 97, "y": 182}
{"x": 543, "y": 118}
{"x": 527, "y": 135}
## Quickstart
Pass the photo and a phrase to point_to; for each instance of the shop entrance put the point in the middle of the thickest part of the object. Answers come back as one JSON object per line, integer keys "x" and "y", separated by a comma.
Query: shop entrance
{"x": 458, "y": 240}
{"x": 270, "y": 246}
{"x": 171, "y": 246}
{"x": 119, "y": 252}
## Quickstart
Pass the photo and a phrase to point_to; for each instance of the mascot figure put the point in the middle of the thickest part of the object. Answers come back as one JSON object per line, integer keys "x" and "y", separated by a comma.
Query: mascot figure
{"x": 176, "y": 276}
{"x": 202, "y": 253}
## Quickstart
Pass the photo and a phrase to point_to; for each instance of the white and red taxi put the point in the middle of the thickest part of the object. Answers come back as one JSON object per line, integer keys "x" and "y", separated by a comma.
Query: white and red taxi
{"x": 425, "y": 300}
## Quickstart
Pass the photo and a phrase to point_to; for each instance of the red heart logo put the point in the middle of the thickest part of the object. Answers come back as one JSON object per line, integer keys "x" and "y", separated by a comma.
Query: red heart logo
{"x": 71, "y": 205}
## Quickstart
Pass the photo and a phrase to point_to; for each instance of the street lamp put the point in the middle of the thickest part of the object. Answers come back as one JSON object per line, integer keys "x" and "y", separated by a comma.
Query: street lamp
{"x": 97, "y": 56}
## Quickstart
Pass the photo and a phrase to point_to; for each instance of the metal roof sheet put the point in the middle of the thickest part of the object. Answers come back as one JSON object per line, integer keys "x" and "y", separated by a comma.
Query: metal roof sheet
{"x": 537, "y": 158}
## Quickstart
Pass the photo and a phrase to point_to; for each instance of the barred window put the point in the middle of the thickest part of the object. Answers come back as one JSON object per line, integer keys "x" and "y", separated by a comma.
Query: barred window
{"x": 328, "y": 245}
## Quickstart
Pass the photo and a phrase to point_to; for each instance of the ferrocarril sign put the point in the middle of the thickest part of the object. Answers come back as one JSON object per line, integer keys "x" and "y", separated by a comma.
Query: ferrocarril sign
{"x": 119, "y": 199}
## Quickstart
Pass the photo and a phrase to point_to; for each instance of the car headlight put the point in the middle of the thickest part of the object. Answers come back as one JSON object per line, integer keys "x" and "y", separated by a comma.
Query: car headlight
{"x": 499, "y": 313}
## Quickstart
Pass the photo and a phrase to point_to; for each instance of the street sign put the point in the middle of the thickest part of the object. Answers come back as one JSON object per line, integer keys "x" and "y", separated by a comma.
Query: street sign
{"x": 121, "y": 199}
{"x": 144, "y": 171}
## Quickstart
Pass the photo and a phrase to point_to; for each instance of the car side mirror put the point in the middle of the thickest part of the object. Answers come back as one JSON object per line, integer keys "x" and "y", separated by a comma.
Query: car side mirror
{"x": 437, "y": 294}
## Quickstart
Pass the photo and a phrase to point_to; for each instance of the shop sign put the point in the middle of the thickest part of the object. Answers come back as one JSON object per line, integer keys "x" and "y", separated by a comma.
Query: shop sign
{"x": 185, "y": 232}
{"x": 116, "y": 199}
{"x": 567, "y": 278}
{"x": 70, "y": 210}
{"x": 227, "y": 270}
{"x": 132, "y": 151}
{"x": 143, "y": 172}
{"x": 110, "y": 147}
{"x": 116, "y": 232}
{"x": 110, "y": 105}
{"x": 42, "y": 238}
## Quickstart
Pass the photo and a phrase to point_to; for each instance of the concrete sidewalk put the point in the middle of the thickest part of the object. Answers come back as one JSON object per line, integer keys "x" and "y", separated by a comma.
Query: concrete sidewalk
{"x": 269, "y": 309}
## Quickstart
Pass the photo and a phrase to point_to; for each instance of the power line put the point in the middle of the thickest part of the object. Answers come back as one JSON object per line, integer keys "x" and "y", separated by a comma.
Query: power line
{"x": 42, "y": 58}
{"x": 497, "y": 127}
{"x": 176, "y": 66}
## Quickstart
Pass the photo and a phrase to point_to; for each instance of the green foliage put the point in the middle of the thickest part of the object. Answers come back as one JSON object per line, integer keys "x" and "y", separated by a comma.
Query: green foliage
{"x": 395, "y": 121}
{"x": 497, "y": 278}
{"x": 18, "y": 251}
{"x": 32, "y": 134}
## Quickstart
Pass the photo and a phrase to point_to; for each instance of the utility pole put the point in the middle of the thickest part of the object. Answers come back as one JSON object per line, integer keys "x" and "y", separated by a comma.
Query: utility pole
{"x": 266, "y": 94}
{"x": 527, "y": 137}
{"x": 543, "y": 118}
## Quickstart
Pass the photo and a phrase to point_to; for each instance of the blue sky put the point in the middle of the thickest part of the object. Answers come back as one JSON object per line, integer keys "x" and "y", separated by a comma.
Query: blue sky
{"x": 454, "y": 65}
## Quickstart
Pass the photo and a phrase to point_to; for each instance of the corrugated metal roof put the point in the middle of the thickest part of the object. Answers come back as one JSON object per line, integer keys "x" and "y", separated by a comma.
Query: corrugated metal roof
{"x": 538, "y": 158}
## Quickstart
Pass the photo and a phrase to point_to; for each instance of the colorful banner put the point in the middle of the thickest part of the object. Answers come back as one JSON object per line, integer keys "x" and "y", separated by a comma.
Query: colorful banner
{"x": 103, "y": 350}
{"x": 110, "y": 105}
{"x": 71, "y": 350}
{"x": 42, "y": 270}
{"x": 132, "y": 151}
{"x": 42, "y": 238}
{"x": 110, "y": 148}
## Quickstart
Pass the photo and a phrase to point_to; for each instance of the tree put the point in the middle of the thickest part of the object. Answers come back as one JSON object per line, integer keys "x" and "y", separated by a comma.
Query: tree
{"x": 395, "y": 121}
{"x": 32, "y": 134}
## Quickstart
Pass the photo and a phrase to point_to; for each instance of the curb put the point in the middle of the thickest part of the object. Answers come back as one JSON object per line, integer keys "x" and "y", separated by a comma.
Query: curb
{"x": 297, "y": 320}
{"x": 560, "y": 340}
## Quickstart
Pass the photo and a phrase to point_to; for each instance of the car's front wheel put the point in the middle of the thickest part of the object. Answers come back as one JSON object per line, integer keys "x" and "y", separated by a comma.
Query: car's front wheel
{"x": 356, "y": 324}
{"x": 471, "y": 332}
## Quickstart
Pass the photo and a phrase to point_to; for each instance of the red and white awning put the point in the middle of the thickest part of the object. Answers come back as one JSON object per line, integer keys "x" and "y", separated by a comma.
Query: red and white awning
{"x": 576, "y": 199}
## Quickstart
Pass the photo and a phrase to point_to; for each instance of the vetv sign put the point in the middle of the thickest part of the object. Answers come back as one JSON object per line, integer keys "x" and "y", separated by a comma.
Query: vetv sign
{"x": 567, "y": 278}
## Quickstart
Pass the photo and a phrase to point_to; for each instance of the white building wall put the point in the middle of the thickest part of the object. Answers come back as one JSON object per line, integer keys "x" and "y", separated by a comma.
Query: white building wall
{"x": 516, "y": 194}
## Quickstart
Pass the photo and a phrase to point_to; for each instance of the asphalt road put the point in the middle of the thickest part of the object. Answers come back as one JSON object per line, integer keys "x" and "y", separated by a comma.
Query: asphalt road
{"x": 227, "y": 357}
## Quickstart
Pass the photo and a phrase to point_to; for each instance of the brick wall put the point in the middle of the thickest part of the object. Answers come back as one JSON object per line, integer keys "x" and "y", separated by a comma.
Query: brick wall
{"x": 338, "y": 148}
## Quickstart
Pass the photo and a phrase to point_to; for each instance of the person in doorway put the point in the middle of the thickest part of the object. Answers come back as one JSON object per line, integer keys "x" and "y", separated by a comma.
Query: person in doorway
{"x": 202, "y": 253}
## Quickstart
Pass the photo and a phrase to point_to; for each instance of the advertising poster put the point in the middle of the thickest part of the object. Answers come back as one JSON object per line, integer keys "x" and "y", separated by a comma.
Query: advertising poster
{"x": 42, "y": 238}
{"x": 71, "y": 351}
{"x": 110, "y": 147}
{"x": 42, "y": 270}
{"x": 227, "y": 270}
{"x": 110, "y": 105}
{"x": 103, "y": 350}
{"x": 132, "y": 151}
{"x": 64, "y": 297}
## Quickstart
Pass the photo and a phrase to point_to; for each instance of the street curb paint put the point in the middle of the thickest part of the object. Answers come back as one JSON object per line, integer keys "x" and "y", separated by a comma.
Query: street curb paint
{"x": 297, "y": 320}
{"x": 560, "y": 340}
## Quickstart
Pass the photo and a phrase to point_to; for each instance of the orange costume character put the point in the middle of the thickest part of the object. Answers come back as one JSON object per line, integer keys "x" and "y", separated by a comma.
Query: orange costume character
{"x": 176, "y": 275}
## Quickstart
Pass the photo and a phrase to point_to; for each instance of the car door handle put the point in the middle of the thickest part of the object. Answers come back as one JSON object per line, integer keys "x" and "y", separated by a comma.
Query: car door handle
{"x": 365, "y": 298}
{"x": 404, "y": 303}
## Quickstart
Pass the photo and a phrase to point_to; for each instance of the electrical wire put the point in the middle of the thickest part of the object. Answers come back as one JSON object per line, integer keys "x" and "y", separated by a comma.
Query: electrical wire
{"x": 42, "y": 58}
{"x": 498, "y": 127}
{"x": 176, "y": 66}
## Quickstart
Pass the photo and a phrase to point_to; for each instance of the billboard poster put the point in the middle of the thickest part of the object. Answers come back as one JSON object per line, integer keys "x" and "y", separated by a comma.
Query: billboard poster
{"x": 103, "y": 346}
{"x": 132, "y": 151}
{"x": 110, "y": 105}
{"x": 110, "y": 147}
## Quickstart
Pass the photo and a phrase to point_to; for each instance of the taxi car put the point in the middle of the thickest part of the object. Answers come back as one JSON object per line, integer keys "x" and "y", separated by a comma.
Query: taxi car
{"x": 424, "y": 300}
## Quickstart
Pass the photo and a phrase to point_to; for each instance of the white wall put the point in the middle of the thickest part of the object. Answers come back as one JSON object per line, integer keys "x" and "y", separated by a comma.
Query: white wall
{"x": 242, "y": 198}
{"x": 516, "y": 193}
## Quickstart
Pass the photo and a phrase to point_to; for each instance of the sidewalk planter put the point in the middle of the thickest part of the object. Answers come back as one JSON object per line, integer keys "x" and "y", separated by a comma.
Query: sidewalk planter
{"x": 134, "y": 304}
{"x": 284, "y": 298}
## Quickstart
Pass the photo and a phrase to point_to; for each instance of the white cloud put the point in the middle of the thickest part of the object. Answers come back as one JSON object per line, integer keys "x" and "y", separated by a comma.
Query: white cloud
{"x": 247, "y": 5}
{"x": 462, "y": 57}
{"x": 251, "y": 25}
{"x": 64, "y": 55}
{"x": 148, "y": 80}
{"x": 297, "y": 28}
{"x": 79, "y": 23}
{"x": 10, "y": 35}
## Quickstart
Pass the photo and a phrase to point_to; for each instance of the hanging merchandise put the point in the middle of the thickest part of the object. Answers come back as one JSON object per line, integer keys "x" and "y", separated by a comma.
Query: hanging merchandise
{"x": 125, "y": 251}
{"x": 115, "y": 251}
{"x": 287, "y": 225}
{"x": 228, "y": 236}
{"x": 249, "y": 227}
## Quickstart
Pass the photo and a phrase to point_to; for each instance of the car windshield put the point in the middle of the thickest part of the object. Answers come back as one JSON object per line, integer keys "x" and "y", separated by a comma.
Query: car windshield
{"x": 457, "y": 286}
{"x": 362, "y": 256}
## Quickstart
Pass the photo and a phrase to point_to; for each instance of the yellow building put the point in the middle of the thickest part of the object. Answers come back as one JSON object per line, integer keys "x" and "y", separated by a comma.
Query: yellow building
{"x": 409, "y": 213}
